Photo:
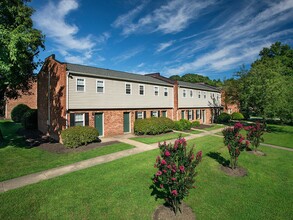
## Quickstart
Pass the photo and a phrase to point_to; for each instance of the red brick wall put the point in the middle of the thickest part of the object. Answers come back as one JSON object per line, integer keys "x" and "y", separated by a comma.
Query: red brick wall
{"x": 53, "y": 119}
{"x": 29, "y": 98}
{"x": 227, "y": 106}
{"x": 113, "y": 119}
{"x": 208, "y": 119}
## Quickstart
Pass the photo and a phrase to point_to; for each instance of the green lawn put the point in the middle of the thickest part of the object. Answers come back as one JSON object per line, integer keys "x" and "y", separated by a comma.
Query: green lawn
{"x": 17, "y": 160}
{"x": 280, "y": 135}
{"x": 158, "y": 138}
{"x": 194, "y": 132}
{"x": 120, "y": 189}
{"x": 214, "y": 127}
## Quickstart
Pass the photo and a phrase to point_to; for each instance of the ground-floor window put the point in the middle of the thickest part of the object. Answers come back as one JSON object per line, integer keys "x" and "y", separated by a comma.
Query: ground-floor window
{"x": 198, "y": 114}
{"x": 182, "y": 114}
{"x": 155, "y": 114}
{"x": 139, "y": 115}
{"x": 79, "y": 119}
{"x": 190, "y": 114}
{"x": 164, "y": 114}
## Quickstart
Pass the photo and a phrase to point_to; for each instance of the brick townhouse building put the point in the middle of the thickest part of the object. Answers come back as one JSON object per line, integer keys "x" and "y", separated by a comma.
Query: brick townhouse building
{"x": 28, "y": 98}
{"x": 72, "y": 94}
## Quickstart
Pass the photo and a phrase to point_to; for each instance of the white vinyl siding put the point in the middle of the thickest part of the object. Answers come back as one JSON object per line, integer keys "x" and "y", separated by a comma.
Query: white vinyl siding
{"x": 156, "y": 90}
{"x": 115, "y": 97}
{"x": 100, "y": 86}
{"x": 80, "y": 84}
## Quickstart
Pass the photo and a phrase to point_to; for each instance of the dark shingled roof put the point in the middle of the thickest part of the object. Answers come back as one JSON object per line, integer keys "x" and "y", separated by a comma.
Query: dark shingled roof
{"x": 199, "y": 86}
{"x": 113, "y": 74}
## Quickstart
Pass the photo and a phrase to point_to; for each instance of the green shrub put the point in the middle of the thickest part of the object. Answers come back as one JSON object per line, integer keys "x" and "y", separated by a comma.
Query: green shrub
{"x": 195, "y": 124}
{"x": 237, "y": 116}
{"x": 182, "y": 125}
{"x": 76, "y": 136}
{"x": 153, "y": 126}
{"x": 223, "y": 118}
{"x": 18, "y": 111}
{"x": 30, "y": 119}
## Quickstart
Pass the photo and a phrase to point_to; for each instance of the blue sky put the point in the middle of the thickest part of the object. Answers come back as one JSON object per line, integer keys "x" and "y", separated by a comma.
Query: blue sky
{"x": 208, "y": 37}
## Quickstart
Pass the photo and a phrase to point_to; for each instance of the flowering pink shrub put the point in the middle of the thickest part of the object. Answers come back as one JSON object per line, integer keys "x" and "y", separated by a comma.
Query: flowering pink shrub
{"x": 235, "y": 143}
{"x": 176, "y": 172}
{"x": 254, "y": 134}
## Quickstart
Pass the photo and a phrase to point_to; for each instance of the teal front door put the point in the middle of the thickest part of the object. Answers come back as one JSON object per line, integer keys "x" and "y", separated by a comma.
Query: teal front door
{"x": 126, "y": 126}
{"x": 99, "y": 123}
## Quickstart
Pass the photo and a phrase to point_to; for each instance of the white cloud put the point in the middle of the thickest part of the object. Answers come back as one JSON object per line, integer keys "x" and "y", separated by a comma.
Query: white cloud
{"x": 140, "y": 65}
{"x": 172, "y": 17}
{"x": 163, "y": 46}
{"x": 128, "y": 54}
{"x": 238, "y": 40}
{"x": 51, "y": 19}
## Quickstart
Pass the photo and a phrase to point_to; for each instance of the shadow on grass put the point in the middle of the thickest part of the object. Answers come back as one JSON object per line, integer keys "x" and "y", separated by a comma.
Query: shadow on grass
{"x": 217, "y": 156}
{"x": 11, "y": 138}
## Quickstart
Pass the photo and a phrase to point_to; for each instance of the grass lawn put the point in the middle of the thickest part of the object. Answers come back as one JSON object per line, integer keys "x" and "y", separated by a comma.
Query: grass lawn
{"x": 280, "y": 135}
{"x": 194, "y": 132}
{"x": 16, "y": 160}
{"x": 214, "y": 127}
{"x": 158, "y": 138}
{"x": 120, "y": 189}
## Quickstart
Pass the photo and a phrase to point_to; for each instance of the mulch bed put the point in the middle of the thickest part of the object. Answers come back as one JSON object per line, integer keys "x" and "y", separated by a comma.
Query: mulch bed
{"x": 35, "y": 138}
{"x": 238, "y": 172}
{"x": 165, "y": 213}
{"x": 202, "y": 126}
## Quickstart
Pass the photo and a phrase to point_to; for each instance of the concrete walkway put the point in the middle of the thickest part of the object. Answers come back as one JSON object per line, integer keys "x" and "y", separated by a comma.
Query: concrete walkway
{"x": 58, "y": 171}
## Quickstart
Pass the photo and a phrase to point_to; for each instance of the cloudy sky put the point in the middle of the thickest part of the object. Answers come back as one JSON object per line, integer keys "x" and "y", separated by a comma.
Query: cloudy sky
{"x": 212, "y": 37}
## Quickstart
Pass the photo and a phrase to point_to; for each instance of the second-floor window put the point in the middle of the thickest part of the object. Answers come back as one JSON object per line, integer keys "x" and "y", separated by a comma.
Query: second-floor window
{"x": 141, "y": 89}
{"x": 100, "y": 86}
{"x": 184, "y": 93}
{"x": 205, "y": 95}
{"x": 199, "y": 95}
{"x": 191, "y": 93}
{"x": 80, "y": 84}
{"x": 156, "y": 90}
{"x": 165, "y": 91}
{"x": 127, "y": 88}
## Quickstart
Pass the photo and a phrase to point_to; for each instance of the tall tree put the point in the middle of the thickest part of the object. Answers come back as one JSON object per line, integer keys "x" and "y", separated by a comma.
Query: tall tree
{"x": 20, "y": 44}
{"x": 266, "y": 89}
{"x": 196, "y": 78}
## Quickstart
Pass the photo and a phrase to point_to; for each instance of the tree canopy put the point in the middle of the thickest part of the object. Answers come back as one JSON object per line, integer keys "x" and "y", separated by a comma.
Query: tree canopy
{"x": 266, "y": 89}
{"x": 196, "y": 78}
{"x": 20, "y": 44}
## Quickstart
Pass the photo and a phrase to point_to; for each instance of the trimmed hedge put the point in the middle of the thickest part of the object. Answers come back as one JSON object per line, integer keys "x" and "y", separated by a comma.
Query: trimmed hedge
{"x": 182, "y": 125}
{"x": 153, "y": 126}
{"x": 223, "y": 118}
{"x": 18, "y": 111}
{"x": 237, "y": 116}
{"x": 30, "y": 119}
{"x": 195, "y": 124}
{"x": 77, "y": 136}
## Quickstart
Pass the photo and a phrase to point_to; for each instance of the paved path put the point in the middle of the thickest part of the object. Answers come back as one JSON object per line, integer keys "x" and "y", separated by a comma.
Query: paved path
{"x": 58, "y": 171}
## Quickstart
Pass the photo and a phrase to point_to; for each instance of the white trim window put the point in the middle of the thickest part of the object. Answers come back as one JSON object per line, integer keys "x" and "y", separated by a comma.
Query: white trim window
{"x": 79, "y": 119}
{"x": 155, "y": 114}
{"x": 140, "y": 115}
{"x": 164, "y": 114}
{"x": 156, "y": 90}
{"x": 165, "y": 91}
{"x": 141, "y": 89}
{"x": 128, "y": 88}
{"x": 184, "y": 93}
{"x": 191, "y": 93}
{"x": 189, "y": 114}
{"x": 198, "y": 114}
{"x": 204, "y": 95}
{"x": 80, "y": 84}
{"x": 100, "y": 86}
{"x": 199, "y": 94}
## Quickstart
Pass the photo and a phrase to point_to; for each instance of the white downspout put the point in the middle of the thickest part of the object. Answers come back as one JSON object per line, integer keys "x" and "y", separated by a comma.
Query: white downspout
{"x": 67, "y": 97}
